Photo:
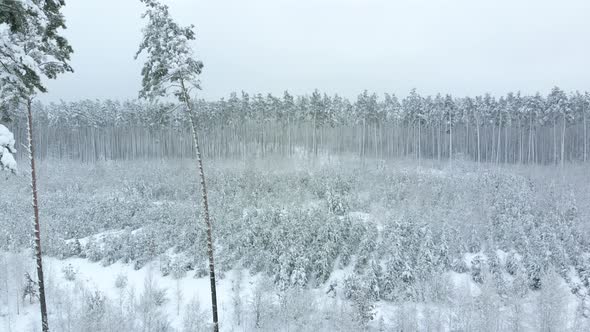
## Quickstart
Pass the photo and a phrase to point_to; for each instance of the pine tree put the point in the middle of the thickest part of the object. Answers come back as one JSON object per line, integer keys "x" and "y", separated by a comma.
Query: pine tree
{"x": 30, "y": 288}
{"x": 30, "y": 49}
{"x": 171, "y": 66}
{"x": 552, "y": 302}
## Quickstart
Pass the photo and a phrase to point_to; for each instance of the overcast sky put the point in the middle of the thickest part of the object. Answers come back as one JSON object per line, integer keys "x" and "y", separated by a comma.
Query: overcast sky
{"x": 463, "y": 47}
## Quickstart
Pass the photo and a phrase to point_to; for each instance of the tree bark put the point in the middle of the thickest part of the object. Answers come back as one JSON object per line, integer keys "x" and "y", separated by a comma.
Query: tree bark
{"x": 42, "y": 300}
{"x": 563, "y": 141}
{"x": 478, "y": 145}
{"x": 419, "y": 143}
{"x": 499, "y": 139}
{"x": 555, "y": 141}
{"x": 205, "y": 210}
{"x": 450, "y": 137}
{"x": 585, "y": 138}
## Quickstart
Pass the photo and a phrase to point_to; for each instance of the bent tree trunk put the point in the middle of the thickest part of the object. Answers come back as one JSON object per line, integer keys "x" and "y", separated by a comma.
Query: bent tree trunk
{"x": 42, "y": 301}
{"x": 205, "y": 209}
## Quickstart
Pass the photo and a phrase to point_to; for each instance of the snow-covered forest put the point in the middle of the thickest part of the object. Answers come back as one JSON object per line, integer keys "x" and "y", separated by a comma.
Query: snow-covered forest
{"x": 515, "y": 128}
{"x": 261, "y": 212}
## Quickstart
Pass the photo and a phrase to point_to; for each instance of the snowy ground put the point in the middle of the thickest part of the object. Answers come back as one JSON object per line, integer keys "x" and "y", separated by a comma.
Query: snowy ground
{"x": 67, "y": 294}
{"x": 94, "y": 276}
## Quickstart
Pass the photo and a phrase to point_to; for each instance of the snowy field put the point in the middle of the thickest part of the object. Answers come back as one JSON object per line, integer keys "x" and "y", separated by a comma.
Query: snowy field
{"x": 323, "y": 244}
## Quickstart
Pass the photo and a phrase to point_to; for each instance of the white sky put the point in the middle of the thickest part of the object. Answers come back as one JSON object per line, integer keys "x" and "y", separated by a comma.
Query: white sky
{"x": 463, "y": 47}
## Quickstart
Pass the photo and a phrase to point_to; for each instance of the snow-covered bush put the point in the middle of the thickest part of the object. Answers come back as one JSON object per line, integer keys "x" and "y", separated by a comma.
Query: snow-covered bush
{"x": 459, "y": 265}
{"x": 121, "y": 281}
{"x": 179, "y": 267}
{"x": 512, "y": 263}
{"x": 7, "y": 150}
{"x": 359, "y": 292}
{"x": 149, "y": 307}
{"x": 195, "y": 318}
{"x": 94, "y": 250}
{"x": 95, "y": 310}
{"x": 30, "y": 288}
{"x": 478, "y": 268}
{"x": 69, "y": 272}
{"x": 165, "y": 262}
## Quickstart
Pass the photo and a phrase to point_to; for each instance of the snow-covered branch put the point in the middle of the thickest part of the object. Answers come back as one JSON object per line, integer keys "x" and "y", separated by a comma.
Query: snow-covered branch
{"x": 7, "y": 161}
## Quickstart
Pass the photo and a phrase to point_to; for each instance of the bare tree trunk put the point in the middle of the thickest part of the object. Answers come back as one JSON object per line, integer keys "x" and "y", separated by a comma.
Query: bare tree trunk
{"x": 499, "y": 139}
{"x": 375, "y": 139}
{"x": 42, "y": 301}
{"x": 314, "y": 143}
{"x": 520, "y": 137}
{"x": 531, "y": 158}
{"x": 563, "y": 141}
{"x": 585, "y": 139}
{"x": 439, "y": 139}
{"x": 381, "y": 139}
{"x": 450, "y": 138}
{"x": 467, "y": 138}
{"x": 507, "y": 128}
{"x": 554, "y": 141}
{"x": 289, "y": 131}
{"x": 478, "y": 145}
{"x": 419, "y": 143}
{"x": 205, "y": 210}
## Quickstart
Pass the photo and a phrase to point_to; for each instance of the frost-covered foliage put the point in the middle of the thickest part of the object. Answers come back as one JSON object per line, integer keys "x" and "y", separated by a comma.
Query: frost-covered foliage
{"x": 476, "y": 242}
{"x": 171, "y": 65}
{"x": 7, "y": 150}
{"x": 399, "y": 230}
{"x": 30, "y": 47}
{"x": 98, "y": 301}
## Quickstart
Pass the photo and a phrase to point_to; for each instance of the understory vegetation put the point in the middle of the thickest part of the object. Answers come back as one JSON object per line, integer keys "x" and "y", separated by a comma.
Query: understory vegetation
{"x": 389, "y": 234}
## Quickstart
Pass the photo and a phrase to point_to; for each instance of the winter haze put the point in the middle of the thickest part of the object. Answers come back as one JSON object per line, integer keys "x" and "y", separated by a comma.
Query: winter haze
{"x": 313, "y": 166}
{"x": 342, "y": 46}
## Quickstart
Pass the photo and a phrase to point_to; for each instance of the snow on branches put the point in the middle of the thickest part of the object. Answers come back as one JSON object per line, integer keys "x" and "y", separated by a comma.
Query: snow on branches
{"x": 7, "y": 149}
{"x": 30, "y": 47}
{"x": 170, "y": 62}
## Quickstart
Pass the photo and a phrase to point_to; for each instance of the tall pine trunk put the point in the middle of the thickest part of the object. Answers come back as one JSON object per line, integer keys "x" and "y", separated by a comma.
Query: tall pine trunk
{"x": 520, "y": 137}
{"x": 555, "y": 141}
{"x": 499, "y": 139}
{"x": 507, "y": 128}
{"x": 205, "y": 210}
{"x": 563, "y": 141}
{"x": 585, "y": 139}
{"x": 42, "y": 300}
{"x": 450, "y": 138}
{"x": 289, "y": 134}
{"x": 467, "y": 138}
{"x": 419, "y": 143}
{"x": 438, "y": 142}
{"x": 478, "y": 145}
{"x": 376, "y": 147}
{"x": 531, "y": 158}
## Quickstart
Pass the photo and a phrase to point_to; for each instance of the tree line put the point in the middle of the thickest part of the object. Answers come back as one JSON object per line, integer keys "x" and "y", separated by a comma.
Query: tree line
{"x": 514, "y": 128}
